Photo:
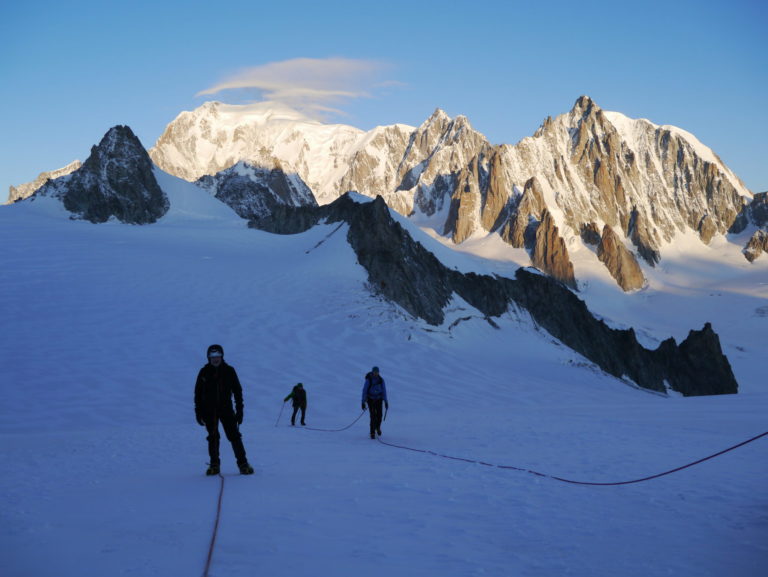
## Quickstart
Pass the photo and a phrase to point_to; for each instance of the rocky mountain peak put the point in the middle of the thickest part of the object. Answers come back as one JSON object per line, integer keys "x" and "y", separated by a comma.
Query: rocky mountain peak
{"x": 119, "y": 145}
{"x": 115, "y": 181}
{"x": 584, "y": 107}
{"x": 438, "y": 117}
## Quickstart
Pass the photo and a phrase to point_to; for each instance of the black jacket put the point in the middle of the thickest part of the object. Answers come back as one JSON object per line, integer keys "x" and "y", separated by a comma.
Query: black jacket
{"x": 214, "y": 390}
{"x": 299, "y": 396}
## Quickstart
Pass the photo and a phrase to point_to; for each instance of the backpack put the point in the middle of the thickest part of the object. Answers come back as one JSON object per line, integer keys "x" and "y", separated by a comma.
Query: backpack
{"x": 375, "y": 388}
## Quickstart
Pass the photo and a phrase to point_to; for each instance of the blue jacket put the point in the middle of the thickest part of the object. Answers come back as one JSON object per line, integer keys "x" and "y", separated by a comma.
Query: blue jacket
{"x": 374, "y": 388}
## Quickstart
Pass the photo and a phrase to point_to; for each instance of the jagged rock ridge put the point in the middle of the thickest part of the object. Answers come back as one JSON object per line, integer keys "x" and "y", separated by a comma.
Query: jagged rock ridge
{"x": 403, "y": 271}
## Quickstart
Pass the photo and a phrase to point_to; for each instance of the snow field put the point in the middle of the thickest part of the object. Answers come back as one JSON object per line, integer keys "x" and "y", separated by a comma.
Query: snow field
{"x": 102, "y": 462}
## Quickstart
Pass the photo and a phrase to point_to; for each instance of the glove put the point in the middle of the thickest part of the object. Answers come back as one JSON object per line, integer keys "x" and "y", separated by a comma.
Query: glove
{"x": 386, "y": 405}
{"x": 239, "y": 416}
{"x": 363, "y": 406}
{"x": 199, "y": 419}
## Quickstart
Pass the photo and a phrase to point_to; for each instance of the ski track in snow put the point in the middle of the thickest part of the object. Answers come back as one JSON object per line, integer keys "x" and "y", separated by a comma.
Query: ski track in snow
{"x": 105, "y": 328}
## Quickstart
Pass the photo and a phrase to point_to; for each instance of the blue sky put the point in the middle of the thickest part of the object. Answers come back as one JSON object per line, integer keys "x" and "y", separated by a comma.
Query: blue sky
{"x": 70, "y": 71}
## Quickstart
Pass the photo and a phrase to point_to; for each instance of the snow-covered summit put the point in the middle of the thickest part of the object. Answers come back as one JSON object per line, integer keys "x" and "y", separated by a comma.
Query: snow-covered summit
{"x": 216, "y": 136}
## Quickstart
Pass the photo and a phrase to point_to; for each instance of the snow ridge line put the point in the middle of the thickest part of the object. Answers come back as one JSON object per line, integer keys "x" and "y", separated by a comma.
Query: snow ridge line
{"x": 510, "y": 467}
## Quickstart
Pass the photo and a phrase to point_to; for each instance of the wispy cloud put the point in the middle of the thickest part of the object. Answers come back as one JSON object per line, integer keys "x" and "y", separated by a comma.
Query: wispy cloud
{"x": 314, "y": 86}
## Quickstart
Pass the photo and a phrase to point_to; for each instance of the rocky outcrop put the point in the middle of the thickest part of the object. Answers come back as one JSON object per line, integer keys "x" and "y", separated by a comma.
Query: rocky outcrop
{"x": 403, "y": 271}
{"x": 757, "y": 245}
{"x": 619, "y": 261}
{"x": 465, "y": 207}
{"x": 526, "y": 211}
{"x": 590, "y": 234}
{"x": 754, "y": 214}
{"x": 695, "y": 367}
{"x": 116, "y": 181}
{"x": 254, "y": 192}
{"x": 550, "y": 253}
{"x": 758, "y": 210}
{"x": 643, "y": 238}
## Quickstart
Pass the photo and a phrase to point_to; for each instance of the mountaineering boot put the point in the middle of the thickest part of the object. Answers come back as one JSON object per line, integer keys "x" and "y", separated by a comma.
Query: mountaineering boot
{"x": 213, "y": 469}
{"x": 378, "y": 432}
{"x": 373, "y": 435}
{"x": 246, "y": 469}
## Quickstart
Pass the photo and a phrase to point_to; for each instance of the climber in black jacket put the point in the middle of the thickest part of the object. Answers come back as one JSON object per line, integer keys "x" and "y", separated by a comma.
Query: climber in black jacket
{"x": 216, "y": 385}
{"x": 299, "y": 396}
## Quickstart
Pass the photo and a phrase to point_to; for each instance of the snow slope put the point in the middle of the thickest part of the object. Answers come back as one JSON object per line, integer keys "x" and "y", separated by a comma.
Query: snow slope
{"x": 102, "y": 465}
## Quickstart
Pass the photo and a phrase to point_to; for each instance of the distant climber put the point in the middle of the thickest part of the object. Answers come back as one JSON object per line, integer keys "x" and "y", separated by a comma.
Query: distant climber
{"x": 374, "y": 395}
{"x": 299, "y": 396}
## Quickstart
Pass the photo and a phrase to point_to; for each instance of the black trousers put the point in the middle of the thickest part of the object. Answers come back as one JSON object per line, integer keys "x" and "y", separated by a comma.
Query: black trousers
{"x": 229, "y": 424}
{"x": 296, "y": 410}
{"x": 374, "y": 408}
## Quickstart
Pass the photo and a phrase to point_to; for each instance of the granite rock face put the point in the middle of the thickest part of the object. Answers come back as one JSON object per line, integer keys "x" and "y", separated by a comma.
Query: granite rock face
{"x": 524, "y": 214}
{"x": 757, "y": 245}
{"x": 550, "y": 253}
{"x": 619, "y": 261}
{"x": 116, "y": 181}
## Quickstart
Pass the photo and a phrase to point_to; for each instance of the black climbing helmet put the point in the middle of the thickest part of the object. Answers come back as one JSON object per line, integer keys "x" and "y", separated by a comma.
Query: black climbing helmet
{"x": 215, "y": 351}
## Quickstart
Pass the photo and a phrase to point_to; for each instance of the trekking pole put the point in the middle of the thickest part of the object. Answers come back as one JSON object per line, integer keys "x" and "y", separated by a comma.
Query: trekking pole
{"x": 386, "y": 410}
{"x": 281, "y": 413}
